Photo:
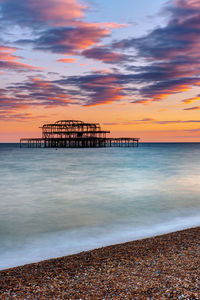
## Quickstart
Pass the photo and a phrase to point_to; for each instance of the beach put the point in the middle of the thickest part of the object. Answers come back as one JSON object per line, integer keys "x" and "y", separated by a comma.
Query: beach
{"x": 162, "y": 267}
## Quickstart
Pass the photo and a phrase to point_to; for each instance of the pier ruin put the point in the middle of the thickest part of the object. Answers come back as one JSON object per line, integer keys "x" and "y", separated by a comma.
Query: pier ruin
{"x": 76, "y": 134}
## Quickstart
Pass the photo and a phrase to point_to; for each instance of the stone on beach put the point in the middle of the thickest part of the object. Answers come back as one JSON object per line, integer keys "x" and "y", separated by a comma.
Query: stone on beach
{"x": 162, "y": 267}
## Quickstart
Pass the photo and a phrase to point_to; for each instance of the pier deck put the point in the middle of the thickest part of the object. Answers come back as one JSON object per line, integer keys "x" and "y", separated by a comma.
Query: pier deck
{"x": 78, "y": 142}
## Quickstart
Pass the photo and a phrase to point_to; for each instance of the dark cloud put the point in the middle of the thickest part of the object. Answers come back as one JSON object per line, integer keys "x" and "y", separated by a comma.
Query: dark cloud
{"x": 33, "y": 92}
{"x": 169, "y": 61}
{"x": 163, "y": 88}
{"x": 36, "y": 91}
{"x": 87, "y": 90}
{"x": 36, "y": 13}
{"x": 192, "y": 108}
{"x": 94, "y": 85}
{"x": 193, "y": 130}
{"x": 105, "y": 55}
{"x": 171, "y": 53}
{"x": 98, "y": 88}
{"x": 67, "y": 40}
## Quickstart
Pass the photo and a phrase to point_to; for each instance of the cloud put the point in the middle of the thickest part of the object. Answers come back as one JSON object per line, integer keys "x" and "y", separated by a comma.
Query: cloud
{"x": 169, "y": 60}
{"x": 90, "y": 90}
{"x": 152, "y": 121}
{"x": 96, "y": 88}
{"x": 48, "y": 13}
{"x": 171, "y": 52}
{"x": 111, "y": 124}
{"x": 7, "y": 115}
{"x": 191, "y": 100}
{"x": 193, "y": 130}
{"x": 186, "y": 136}
{"x": 192, "y": 108}
{"x": 57, "y": 26}
{"x": 68, "y": 40}
{"x": 105, "y": 55}
{"x": 127, "y": 86}
{"x": 9, "y": 61}
{"x": 164, "y": 122}
{"x": 140, "y": 101}
{"x": 31, "y": 93}
{"x": 164, "y": 88}
{"x": 40, "y": 92}
{"x": 166, "y": 60}
{"x": 113, "y": 25}
{"x": 67, "y": 60}
{"x": 35, "y": 13}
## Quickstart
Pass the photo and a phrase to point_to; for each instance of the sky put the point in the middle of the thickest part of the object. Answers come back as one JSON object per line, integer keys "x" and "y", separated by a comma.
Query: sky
{"x": 131, "y": 65}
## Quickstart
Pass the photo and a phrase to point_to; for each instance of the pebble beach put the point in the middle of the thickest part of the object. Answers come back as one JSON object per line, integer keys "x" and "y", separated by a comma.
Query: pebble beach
{"x": 162, "y": 267}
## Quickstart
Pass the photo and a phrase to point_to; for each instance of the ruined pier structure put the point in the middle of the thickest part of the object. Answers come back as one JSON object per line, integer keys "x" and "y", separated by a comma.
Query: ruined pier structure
{"x": 76, "y": 134}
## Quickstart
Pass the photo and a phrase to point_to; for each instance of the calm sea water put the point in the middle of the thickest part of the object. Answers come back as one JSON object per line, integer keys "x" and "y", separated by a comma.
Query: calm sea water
{"x": 58, "y": 202}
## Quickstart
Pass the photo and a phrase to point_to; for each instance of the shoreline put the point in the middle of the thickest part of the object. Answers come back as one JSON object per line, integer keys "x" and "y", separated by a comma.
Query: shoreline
{"x": 118, "y": 236}
{"x": 164, "y": 266}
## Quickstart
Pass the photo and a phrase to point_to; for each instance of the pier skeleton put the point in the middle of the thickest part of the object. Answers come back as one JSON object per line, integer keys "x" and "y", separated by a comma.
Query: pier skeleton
{"x": 76, "y": 134}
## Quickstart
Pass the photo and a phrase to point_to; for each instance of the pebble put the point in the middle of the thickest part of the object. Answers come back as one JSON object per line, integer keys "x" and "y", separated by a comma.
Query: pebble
{"x": 163, "y": 267}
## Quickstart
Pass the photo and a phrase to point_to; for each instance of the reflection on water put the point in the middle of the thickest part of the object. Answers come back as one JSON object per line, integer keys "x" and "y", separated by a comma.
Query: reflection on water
{"x": 54, "y": 203}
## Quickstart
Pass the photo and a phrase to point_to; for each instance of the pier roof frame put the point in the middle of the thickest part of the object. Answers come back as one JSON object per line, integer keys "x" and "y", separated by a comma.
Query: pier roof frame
{"x": 70, "y": 124}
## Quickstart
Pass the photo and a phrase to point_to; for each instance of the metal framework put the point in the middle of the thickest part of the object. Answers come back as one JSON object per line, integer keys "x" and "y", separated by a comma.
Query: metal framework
{"x": 75, "y": 134}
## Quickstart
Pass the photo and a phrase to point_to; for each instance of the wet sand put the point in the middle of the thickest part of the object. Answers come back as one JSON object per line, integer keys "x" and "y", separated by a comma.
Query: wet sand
{"x": 163, "y": 267}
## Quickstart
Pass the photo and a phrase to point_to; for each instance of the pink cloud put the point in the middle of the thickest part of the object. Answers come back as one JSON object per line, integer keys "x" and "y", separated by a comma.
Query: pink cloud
{"x": 58, "y": 26}
{"x": 187, "y": 3}
{"x": 8, "y": 60}
{"x": 113, "y": 25}
{"x": 57, "y": 12}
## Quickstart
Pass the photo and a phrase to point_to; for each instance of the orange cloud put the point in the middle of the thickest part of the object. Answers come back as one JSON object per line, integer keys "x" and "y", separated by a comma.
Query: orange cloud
{"x": 191, "y": 100}
{"x": 67, "y": 60}
{"x": 6, "y": 53}
{"x": 177, "y": 88}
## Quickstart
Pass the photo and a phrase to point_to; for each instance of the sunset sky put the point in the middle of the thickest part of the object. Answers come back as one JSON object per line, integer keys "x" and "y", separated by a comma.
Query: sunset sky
{"x": 131, "y": 65}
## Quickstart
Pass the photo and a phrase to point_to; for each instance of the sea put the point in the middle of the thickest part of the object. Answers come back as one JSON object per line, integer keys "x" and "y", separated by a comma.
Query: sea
{"x": 56, "y": 202}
